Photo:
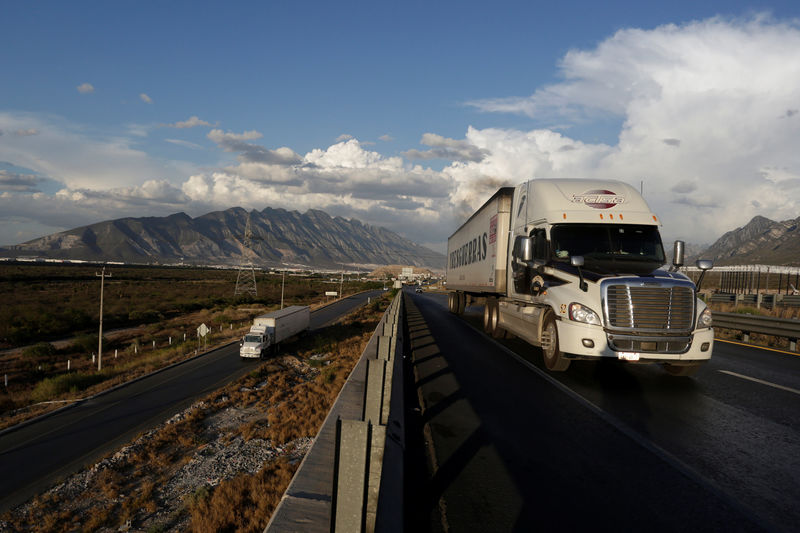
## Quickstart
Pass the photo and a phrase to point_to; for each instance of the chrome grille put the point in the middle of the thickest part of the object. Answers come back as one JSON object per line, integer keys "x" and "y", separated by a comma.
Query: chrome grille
{"x": 650, "y": 308}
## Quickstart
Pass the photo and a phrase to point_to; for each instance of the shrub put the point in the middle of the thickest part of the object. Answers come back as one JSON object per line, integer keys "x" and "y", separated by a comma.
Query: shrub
{"x": 86, "y": 343}
{"x": 147, "y": 316}
{"x": 50, "y": 388}
{"x": 39, "y": 350}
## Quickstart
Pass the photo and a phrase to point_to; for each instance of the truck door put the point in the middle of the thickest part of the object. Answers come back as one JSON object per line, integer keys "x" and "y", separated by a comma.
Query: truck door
{"x": 525, "y": 263}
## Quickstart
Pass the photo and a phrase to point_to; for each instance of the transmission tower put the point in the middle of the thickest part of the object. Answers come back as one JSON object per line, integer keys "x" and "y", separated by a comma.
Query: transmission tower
{"x": 246, "y": 278}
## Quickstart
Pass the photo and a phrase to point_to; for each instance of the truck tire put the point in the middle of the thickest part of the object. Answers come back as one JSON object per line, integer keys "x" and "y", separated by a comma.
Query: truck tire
{"x": 461, "y": 303}
{"x": 682, "y": 370}
{"x": 497, "y": 331}
{"x": 487, "y": 318}
{"x": 451, "y": 302}
{"x": 554, "y": 358}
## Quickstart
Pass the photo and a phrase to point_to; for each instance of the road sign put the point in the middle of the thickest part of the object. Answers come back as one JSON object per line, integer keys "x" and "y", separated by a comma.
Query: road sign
{"x": 331, "y": 293}
{"x": 202, "y": 330}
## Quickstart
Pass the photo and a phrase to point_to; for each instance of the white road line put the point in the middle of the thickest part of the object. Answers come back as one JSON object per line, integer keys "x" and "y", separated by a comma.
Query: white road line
{"x": 767, "y": 383}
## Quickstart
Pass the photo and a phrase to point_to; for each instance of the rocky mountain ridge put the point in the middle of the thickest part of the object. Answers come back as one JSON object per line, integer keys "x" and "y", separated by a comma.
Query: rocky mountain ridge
{"x": 279, "y": 237}
{"x": 760, "y": 241}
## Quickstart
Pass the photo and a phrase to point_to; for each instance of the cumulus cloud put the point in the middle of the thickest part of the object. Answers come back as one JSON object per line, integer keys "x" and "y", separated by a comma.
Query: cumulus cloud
{"x": 717, "y": 89}
{"x": 444, "y": 148}
{"x": 344, "y": 137}
{"x": 144, "y": 98}
{"x": 344, "y": 179}
{"x": 253, "y": 153}
{"x": 191, "y": 122}
{"x": 85, "y": 88}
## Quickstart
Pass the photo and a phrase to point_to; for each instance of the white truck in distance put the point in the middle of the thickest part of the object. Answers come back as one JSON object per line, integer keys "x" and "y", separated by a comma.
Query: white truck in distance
{"x": 576, "y": 267}
{"x": 273, "y": 328}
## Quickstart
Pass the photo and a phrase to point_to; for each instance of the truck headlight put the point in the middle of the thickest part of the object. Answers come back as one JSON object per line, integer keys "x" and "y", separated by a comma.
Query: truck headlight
{"x": 705, "y": 320}
{"x": 581, "y": 313}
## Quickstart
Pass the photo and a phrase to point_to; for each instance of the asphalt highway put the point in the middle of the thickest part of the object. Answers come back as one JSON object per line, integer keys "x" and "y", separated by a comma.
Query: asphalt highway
{"x": 36, "y": 455}
{"x": 512, "y": 447}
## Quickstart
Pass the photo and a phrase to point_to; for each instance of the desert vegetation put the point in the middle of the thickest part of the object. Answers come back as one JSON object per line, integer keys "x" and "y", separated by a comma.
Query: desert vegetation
{"x": 161, "y": 481}
{"x": 150, "y": 320}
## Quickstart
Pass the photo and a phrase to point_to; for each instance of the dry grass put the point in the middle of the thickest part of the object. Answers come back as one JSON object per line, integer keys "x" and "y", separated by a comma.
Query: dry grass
{"x": 756, "y": 338}
{"x": 244, "y": 503}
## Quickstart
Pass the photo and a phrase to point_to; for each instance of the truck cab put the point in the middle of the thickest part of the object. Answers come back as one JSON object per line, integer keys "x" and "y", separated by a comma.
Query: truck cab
{"x": 256, "y": 343}
{"x": 585, "y": 277}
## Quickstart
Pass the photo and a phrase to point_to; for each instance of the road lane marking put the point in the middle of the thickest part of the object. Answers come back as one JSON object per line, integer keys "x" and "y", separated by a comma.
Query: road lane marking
{"x": 767, "y": 383}
{"x": 756, "y": 346}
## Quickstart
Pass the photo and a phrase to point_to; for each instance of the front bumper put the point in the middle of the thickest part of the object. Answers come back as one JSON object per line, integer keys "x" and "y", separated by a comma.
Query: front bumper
{"x": 583, "y": 341}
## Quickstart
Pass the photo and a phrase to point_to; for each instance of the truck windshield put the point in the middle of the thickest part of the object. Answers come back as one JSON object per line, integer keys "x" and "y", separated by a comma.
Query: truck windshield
{"x": 252, "y": 338}
{"x": 617, "y": 247}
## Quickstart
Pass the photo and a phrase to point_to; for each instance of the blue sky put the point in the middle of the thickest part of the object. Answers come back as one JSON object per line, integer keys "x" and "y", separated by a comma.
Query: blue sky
{"x": 403, "y": 115}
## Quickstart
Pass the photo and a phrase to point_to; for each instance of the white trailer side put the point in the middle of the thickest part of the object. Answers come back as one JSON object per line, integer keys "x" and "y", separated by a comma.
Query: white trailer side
{"x": 290, "y": 321}
{"x": 477, "y": 251}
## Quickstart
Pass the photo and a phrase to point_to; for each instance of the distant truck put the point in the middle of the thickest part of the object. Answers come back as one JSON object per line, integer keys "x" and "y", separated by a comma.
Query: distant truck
{"x": 576, "y": 267}
{"x": 273, "y": 328}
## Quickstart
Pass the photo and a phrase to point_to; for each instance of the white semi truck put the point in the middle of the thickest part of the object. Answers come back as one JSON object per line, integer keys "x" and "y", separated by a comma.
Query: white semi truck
{"x": 576, "y": 267}
{"x": 273, "y": 328}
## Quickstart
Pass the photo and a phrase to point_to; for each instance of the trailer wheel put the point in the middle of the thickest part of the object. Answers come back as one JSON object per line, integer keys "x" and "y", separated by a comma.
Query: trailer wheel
{"x": 681, "y": 370}
{"x": 554, "y": 358}
{"x": 487, "y": 316}
{"x": 461, "y": 303}
{"x": 452, "y": 306}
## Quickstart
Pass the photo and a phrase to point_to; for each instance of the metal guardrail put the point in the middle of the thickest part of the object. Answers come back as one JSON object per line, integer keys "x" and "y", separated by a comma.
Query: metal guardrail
{"x": 779, "y": 327}
{"x": 351, "y": 478}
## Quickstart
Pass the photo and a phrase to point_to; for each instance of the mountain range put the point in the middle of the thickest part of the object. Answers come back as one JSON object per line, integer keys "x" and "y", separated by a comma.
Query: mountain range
{"x": 277, "y": 237}
{"x": 315, "y": 239}
{"x": 761, "y": 242}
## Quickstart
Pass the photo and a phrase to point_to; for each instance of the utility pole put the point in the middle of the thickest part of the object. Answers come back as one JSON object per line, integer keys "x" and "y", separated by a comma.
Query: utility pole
{"x": 341, "y": 283}
{"x": 283, "y": 283}
{"x": 102, "y": 275}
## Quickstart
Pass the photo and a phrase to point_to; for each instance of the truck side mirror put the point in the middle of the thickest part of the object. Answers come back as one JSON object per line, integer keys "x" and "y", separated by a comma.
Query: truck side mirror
{"x": 524, "y": 248}
{"x": 705, "y": 265}
{"x": 677, "y": 255}
{"x": 578, "y": 261}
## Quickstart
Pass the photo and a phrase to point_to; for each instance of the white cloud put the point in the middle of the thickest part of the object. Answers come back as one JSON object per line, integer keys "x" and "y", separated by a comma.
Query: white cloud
{"x": 343, "y": 137}
{"x": 386, "y": 138}
{"x": 64, "y": 152}
{"x": 191, "y": 122}
{"x": 444, "y": 148}
{"x": 220, "y": 137}
{"x": 144, "y": 98}
{"x": 85, "y": 88}
{"x": 235, "y": 142}
{"x": 27, "y": 132}
{"x": 185, "y": 144}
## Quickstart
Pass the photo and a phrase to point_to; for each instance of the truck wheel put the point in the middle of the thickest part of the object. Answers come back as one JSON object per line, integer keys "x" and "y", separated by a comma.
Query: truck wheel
{"x": 451, "y": 302}
{"x": 554, "y": 358}
{"x": 497, "y": 331}
{"x": 487, "y": 316}
{"x": 682, "y": 370}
